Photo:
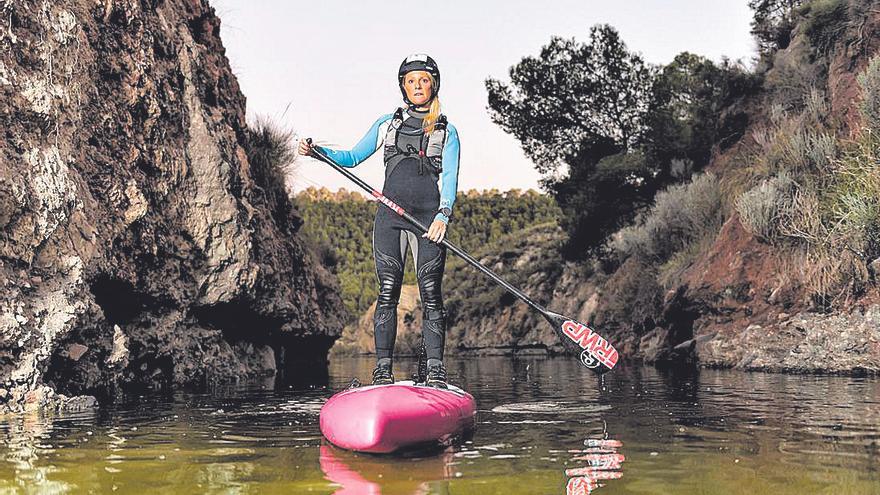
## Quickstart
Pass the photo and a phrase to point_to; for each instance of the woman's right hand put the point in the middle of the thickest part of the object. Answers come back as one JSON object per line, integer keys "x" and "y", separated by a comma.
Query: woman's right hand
{"x": 304, "y": 146}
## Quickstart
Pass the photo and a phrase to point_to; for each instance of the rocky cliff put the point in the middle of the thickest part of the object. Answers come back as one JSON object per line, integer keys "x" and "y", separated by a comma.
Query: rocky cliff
{"x": 139, "y": 247}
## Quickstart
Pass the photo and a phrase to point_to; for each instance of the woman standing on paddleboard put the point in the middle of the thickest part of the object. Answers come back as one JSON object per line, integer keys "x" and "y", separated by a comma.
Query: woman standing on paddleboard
{"x": 421, "y": 174}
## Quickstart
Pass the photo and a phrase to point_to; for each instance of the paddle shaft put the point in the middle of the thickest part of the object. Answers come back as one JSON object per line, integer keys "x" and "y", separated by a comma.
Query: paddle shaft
{"x": 423, "y": 229}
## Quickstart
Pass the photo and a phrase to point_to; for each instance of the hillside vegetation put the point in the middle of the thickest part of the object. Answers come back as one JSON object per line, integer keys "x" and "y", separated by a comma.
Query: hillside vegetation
{"x": 724, "y": 199}
{"x": 339, "y": 225}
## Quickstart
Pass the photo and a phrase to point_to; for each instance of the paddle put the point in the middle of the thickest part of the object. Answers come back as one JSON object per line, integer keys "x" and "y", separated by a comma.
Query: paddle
{"x": 596, "y": 353}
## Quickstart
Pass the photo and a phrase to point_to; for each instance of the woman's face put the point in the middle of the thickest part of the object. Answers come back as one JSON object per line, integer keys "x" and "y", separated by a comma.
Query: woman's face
{"x": 417, "y": 85}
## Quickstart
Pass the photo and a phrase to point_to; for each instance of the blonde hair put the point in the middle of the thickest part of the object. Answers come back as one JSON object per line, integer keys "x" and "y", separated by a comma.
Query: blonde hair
{"x": 433, "y": 114}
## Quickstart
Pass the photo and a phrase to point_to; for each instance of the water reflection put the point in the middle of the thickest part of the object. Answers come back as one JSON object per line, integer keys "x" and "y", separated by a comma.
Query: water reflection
{"x": 27, "y": 438}
{"x": 647, "y": 431}
{"x": 600, "y": 461}
{"x": 373, "y": 475}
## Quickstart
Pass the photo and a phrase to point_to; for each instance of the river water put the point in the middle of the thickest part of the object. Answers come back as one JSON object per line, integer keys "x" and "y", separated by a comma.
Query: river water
{"x": 544, "y": 426}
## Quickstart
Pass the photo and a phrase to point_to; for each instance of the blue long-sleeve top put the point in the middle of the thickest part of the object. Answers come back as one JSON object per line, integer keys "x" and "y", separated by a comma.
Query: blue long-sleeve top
{"x": 374, "y": 139}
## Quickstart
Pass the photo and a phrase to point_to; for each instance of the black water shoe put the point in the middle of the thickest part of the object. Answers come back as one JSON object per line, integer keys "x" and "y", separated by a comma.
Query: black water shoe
{"x": 382, "y": 375}
{"x": 437, "y": 376}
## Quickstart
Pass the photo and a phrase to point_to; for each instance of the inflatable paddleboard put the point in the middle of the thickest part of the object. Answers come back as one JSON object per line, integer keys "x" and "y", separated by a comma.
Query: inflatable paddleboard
{"x": 386, "y": 418}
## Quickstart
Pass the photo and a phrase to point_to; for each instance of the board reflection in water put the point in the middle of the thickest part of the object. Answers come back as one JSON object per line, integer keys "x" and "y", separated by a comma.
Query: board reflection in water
{"x": 365, "y": 474}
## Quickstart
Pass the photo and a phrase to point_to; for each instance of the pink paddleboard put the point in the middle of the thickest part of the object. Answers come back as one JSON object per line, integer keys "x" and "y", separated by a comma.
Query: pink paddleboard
{"x": 386, "y": 418}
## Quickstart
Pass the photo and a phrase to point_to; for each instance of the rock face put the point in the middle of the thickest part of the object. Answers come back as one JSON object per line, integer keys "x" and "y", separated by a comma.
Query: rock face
{"x": 805, "y": 343}
{"x": 137, "y": 245}
{"x": 753, "y": 314}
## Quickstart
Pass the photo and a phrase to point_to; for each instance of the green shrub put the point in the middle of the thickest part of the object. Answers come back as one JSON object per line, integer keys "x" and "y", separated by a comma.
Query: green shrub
{"x": 763, "y": 208}
{"x": 681, "y": 215}
{"x": 869, "y": 106}
{"x": 792, "y": 143}
{"x": 816, "y": 108}
{"x": 808, "y": 150}
{"x": 852, "y": 201}
{"x": 271, "y": 155}
{"x": 793, "y": 76}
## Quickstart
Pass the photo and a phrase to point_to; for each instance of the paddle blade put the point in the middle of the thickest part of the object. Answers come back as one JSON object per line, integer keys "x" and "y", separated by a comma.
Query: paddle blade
{"x": 594, "y": 351}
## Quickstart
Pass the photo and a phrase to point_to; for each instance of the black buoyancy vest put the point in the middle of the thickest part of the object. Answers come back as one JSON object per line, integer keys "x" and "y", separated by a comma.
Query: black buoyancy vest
{"x": 430, "y": 152}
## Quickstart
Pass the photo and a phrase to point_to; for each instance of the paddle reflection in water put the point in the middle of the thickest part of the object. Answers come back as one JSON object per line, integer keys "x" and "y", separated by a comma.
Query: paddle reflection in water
{"x": 601, "y": 461}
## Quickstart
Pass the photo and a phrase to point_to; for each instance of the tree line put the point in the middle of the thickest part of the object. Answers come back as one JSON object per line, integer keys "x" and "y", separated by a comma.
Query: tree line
{"x": 338, "y": 225}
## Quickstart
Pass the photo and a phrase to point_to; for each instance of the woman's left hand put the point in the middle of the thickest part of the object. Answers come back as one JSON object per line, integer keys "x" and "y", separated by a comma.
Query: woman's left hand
{"x": 436, "y": 232}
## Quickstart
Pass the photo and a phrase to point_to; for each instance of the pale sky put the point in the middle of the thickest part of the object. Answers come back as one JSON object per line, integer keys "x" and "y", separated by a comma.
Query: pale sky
{"x": 333, "y": 64}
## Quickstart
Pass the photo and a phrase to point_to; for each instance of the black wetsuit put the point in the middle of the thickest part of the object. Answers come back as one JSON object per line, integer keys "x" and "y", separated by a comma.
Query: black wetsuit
{"x": 412, "y": 185}
{"x": 411, "y": 181}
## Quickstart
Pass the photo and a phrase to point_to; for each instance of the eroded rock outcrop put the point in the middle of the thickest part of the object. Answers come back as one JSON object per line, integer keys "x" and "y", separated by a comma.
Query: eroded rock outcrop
{"x": 754, "y": 313}
{"x": 137, "y": 244}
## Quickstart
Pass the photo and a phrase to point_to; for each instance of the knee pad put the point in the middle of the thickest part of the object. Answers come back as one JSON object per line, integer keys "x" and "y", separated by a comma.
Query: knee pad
{"x": 429, "y": 288}
{"x": 390, "y": 280}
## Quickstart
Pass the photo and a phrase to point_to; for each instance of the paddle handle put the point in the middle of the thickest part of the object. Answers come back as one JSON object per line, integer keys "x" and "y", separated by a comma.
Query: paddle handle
{"x": 317, "y": 153}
